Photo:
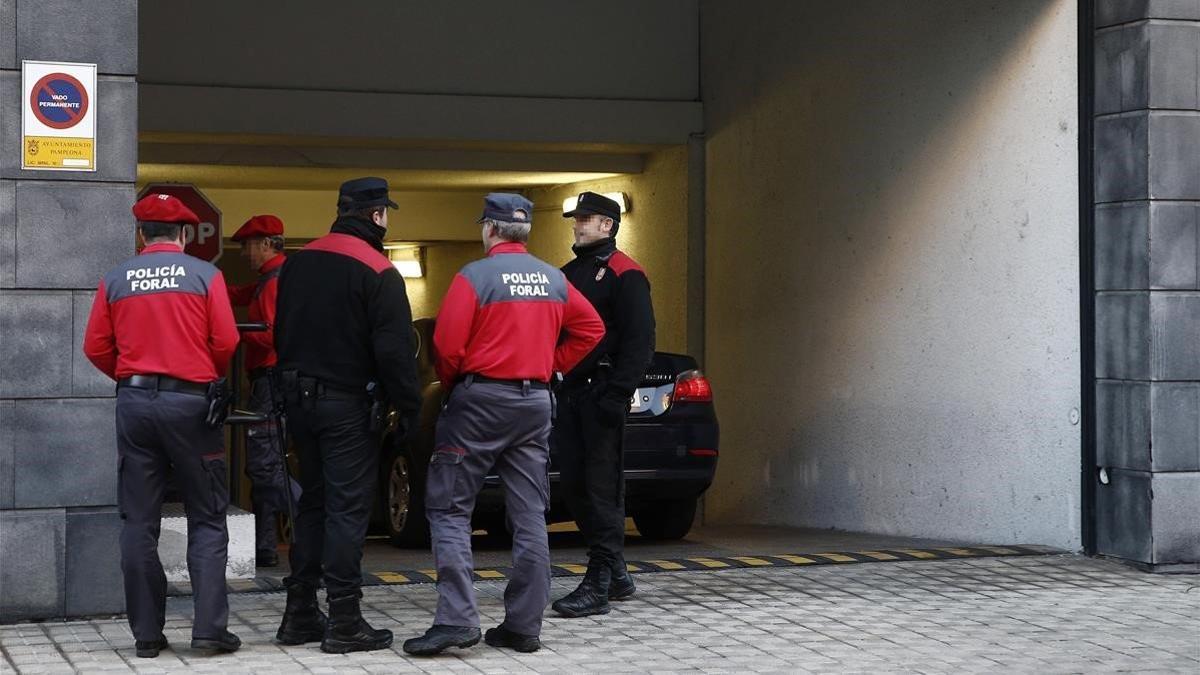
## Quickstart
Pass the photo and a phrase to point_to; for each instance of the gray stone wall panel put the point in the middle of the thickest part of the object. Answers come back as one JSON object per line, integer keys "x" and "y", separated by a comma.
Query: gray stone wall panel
{"x": 7, "y": 410}
{"x": 1174, "y": 142}
{"x": 32, "y": 563}
{"x": 86, "y": 379}
{"x": 1174, "y": 253}
{"x": 93, "y": 562}
{"x": 1122, "y": 58}
{"x": 1175, "y": 508}
{"x": 1122, "y": 412}
{"x": 1175, "y": 325}
{"x": 66, "y": 453}
{"x": 1121, "y": 144}
{"x": 8, "y": 34}
{"x": 8, "y": 234}
{"x": 1112, "y": 12}
{"x": 69, "y": 234}
{"x": 1123, "y": 415}
{"x": 62, "y": 30}
{"x": 1122, "y": 238}
{"x": 1174, "y": 69}
{"x": 1174, "y": 410}
{"x": 1123, "y": 335}
{"x": 35, "y": 330}
{"x": 1123, "y": 515}
{"x": 116, "y": 132}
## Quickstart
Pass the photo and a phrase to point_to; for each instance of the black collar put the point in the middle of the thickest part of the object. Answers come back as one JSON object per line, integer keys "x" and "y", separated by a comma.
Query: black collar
{"x": 601, "y": 250}
{"x": 361, "y": 228}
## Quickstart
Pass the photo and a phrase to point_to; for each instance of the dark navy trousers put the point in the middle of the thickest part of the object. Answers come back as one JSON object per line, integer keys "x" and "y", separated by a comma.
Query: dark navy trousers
{"x": 264, "y": 466}
{"x": 488, "y": 425}
{"x": 157, "y": 431}
{"x": 339, "y": 468}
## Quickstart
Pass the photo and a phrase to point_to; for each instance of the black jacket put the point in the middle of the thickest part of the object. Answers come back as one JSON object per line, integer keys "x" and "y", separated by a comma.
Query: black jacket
{"x": 619, "y": 290}
{"x": 343, "y": 316}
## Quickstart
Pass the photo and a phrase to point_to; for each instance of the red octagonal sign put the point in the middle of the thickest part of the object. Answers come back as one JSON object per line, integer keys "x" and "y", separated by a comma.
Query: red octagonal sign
{"x": 204, "y": 240}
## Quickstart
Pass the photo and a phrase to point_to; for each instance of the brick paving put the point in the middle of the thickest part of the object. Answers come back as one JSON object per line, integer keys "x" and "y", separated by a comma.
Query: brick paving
{"x": 1044, "y": 614}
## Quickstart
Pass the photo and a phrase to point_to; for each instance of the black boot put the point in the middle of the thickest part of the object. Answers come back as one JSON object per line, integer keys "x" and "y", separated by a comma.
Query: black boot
{"x": 149, "y": 649}
{"x": 439, "y": 638}
{"x": 503, "y": 637}
{"x": 303, "y": 620}
{"x": 347, "y": 631}
{"x": 621, "y": 587}
{"x": 591, "y": 597}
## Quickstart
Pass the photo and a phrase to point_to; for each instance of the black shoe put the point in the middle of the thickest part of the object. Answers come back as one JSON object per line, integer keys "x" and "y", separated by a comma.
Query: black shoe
{"x": 303, "y": 620}
{"x": 439, "y": 638}
{"x": 503, "y": 637}
{"x": 149, "y": 650}
{"x": 591, "y": 597}
{"x": 266, "y": 559}
{"x": 621, "y": 586}
{"x": 348, "y": 632}
{"x": 226, "y": 642}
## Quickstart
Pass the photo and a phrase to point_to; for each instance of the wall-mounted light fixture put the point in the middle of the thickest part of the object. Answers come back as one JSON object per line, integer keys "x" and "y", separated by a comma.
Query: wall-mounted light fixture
{"x": 408, "y": 260}
{"x": 618, "y": 197}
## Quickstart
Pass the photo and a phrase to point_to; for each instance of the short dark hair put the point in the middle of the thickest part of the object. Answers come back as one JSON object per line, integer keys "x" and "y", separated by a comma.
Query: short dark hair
{"x": 277, "y": 242}
{"x": 154, "y": 230}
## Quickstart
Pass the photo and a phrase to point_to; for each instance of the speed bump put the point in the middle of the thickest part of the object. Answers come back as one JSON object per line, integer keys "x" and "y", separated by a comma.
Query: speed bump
{"x": 696, "y": 564}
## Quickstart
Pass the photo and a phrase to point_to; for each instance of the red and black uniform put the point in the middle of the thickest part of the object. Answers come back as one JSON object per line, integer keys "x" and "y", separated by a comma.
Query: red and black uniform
{"x": 264, "y": 461}
{"x": 590, "y": 427}
{"x": 259, "y": 297}
{"x": 161, "y": 325}
{"x": 497, "y": 339}
{"x": 343, "y": 321}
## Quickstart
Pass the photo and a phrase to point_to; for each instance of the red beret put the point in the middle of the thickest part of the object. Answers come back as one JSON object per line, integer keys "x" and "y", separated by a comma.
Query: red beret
{"x": 259, "y": 226}
{"x": 160, "y": 208}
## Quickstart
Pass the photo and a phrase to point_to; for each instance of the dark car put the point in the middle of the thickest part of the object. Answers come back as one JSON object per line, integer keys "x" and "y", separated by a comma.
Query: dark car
{"x": 671, "y": 440}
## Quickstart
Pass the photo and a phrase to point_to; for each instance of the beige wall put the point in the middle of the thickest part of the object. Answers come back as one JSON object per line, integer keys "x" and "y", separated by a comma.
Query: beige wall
{"x": 893, "y": 265}
{"x": 653, "y": 232}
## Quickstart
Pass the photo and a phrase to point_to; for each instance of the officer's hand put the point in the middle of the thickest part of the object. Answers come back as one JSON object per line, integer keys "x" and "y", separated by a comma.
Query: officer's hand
{"x": 611, "y": 409}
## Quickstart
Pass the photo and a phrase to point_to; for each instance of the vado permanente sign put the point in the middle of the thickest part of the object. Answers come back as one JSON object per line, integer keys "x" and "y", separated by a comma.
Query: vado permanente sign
{"x": 204, "y": 240}
{"x": 58, "y": 116}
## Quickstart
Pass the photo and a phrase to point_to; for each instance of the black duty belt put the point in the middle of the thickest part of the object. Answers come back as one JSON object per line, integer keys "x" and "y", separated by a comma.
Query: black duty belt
{"x": 532, "y": 384}
{"x": 164, "y": 383}
{"x": 256, "y": 373}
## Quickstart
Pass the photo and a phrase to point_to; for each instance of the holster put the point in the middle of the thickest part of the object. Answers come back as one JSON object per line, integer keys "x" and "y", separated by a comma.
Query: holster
{"x": 219, "y": 397}
{"x": 378, "y": 407}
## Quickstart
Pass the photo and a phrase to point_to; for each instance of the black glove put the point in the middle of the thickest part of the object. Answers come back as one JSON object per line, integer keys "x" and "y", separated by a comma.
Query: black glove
{"x": 219, "y": 397}
{"x": 611, "y": 408}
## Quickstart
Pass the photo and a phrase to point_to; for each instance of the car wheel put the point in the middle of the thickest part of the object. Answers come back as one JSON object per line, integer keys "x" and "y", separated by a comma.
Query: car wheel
{"x": 666, "y": 520}
{"x": 403, "y": 512}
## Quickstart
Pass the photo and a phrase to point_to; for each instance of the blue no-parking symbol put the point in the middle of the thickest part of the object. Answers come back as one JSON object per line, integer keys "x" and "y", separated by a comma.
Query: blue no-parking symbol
{"x": 59, "y": 101}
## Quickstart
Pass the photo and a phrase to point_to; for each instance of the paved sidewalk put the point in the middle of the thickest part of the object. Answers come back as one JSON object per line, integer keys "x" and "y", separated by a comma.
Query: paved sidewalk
{"x": 1044, "y": 614}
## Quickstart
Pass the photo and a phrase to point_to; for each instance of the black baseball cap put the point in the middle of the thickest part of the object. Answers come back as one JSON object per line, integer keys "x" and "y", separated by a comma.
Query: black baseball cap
{"x": 591, "y": 202}
{"x": 363, "y": 193}
{"x": 507, "y": 207}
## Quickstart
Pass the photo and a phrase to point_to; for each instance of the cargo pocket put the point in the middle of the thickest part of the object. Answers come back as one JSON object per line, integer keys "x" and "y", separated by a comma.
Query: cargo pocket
{"x": 218, "y": 481}
{"x": 444, "y": 467}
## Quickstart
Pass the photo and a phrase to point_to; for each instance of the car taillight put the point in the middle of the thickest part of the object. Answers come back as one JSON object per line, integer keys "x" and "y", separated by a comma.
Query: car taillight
{"x": 692, "y": 386}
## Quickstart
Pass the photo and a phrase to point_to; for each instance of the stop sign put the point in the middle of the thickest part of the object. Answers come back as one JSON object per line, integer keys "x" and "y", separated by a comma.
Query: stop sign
{"x": 204, "y": 240}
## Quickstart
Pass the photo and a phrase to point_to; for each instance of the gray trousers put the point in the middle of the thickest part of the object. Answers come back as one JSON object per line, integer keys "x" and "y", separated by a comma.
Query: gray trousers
{"x": 157, "y": 430}
{"x": 264, "y": 467}
{"x": 486, "y": 425}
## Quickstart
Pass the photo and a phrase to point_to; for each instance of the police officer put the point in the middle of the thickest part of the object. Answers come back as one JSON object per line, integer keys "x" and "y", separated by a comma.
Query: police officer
{"x": 590, "y": 427}
{"x": 343, "y": 329}
{"x": 162, "y": 327}
{"x": 262, "y": 242}
{"x": 497, "y": 344}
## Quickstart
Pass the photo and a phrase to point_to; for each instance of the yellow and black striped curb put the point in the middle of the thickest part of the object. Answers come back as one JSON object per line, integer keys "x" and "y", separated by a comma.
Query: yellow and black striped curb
{"x": 699, "y": 563}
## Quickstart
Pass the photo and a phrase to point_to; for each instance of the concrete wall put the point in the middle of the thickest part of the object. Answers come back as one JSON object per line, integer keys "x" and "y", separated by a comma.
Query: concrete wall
{"x": 893, "y": 266}
{"x": 59, "y": 231}
{"x": 1147, "y": 229}
{"x": 653, "y": 232}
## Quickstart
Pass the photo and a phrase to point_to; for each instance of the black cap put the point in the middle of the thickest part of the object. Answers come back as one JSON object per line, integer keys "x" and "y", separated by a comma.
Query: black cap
{"x": 363, "y": 193}
{"x": 591, "y": 202}
{"x": 507, "y": 207}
